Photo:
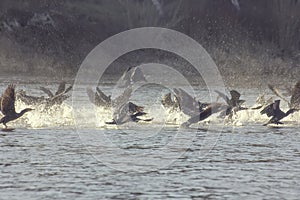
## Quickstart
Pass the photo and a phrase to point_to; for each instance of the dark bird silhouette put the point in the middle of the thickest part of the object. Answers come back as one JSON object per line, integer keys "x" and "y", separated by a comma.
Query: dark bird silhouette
{"x": 188, "y": 104}
{"x": 273, "y": 110}
{"x": 195, "y": 109}
{"x": 205, "y": 113}
{"x": 8, "y": 106}
{"x": 234, "y": 103}
{"x": 128, "y": 112}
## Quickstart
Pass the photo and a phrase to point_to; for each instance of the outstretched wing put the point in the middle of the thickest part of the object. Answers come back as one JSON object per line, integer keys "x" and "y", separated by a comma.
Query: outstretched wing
{"x": 269, "y": 110}
{"x": 103, "y": 96}
{"x": 61, "y": 88}
{"x": 295, "y": 99}
{"x": 208, "y": 111}
{"x": 47, "y": 91}
{"x": 94, "y": 97}
{"x": 188, "y": 104}
{"x": 8, "y": 100}
{"x": 123, "y": 98}
{"x": 235, "y": 95}
{"x": 276, "y": 92}
{"x": 137, "y": 75}
{"x": 223, "y": 96}
{"x": 68, "y": 89}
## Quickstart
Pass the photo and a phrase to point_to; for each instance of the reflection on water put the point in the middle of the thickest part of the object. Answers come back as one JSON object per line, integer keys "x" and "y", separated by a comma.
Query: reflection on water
{"x": 55, "y": 161}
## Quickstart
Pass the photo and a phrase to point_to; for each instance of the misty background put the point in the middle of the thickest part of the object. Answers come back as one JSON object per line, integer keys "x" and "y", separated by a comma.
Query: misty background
{"x": 251, "y": 41}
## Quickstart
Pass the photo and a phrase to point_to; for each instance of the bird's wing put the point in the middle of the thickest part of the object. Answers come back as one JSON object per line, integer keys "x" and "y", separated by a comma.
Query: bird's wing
{"x": 208, "y": 111}
{"x": 103, "y": 96}
{"x": 121, "y": 114}
{"x": 8, "y": 100}
{"x": 235, "y": 95}
{"x": 167, "y": 100}
{"x": 125, "y": 78}
{"x": 68, "y": 89}
{"x": 268, "y": 110}
{"x": 295, "y": 99}
{"x": 211, "y": 109}
{"x": 133, "y": 108}
{"x": 137, "y": 75}
{"x": 95, "y": 98}
{"x": 188, "y": 104}
{"x": 61, "y": 88}
{"x": 47, "y": 91}
{"x": 123, "y": 98}
{"x": 223, "y": 96}
{"x": 276, "y": 92}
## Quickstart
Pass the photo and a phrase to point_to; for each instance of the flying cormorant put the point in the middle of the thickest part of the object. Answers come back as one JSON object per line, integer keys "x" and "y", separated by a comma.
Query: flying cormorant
{"x": 234, "y": 103}
{"x": 205, "y": 113}
{"x": 195, "y": 109}
{"x": 7, "y": 106}
{"x": 52, "y": 99}
{"x": 128, "y": 112}
{"x": 276, "y": 113}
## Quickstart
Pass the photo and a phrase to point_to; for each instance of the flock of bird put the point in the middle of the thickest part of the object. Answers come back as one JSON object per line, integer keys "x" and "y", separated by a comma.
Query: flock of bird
{"x": 126, "y": 111}
{"x": 9, "y": 96}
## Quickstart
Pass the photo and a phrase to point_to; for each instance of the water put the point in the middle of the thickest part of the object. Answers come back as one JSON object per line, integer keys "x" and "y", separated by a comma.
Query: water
{"x": 51, "y": 156}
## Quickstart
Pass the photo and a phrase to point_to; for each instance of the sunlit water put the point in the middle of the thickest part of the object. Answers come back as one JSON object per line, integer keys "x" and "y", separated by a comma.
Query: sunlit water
{"x": 54, "y": 154}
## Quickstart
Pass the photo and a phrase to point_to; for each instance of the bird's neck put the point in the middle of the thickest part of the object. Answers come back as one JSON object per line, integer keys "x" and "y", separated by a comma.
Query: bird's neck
{"x": 290, "y": 111}
{"x": 22, "y": 112}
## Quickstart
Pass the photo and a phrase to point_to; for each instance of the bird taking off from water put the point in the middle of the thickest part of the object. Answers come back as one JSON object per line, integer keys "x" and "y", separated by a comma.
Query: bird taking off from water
{"x": 7, "y": 106}
{"x": 294, "y": 93}
{"x": 276, "y": 113}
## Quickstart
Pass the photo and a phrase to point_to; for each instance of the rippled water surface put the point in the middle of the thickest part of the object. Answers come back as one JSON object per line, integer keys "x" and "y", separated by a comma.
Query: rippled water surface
{"x": 46, "y": 159}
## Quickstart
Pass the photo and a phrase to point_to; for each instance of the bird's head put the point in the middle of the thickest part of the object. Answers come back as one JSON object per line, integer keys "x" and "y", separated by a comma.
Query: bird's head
{"x": 27, "y": 110}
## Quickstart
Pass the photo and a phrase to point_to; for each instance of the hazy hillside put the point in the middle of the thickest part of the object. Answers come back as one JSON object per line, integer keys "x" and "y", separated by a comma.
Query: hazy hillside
{"x": 253, "y": 37}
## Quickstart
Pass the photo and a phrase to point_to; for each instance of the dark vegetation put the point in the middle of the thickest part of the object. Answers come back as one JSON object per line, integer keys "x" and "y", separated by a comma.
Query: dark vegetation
{"x": 259, "y": 39}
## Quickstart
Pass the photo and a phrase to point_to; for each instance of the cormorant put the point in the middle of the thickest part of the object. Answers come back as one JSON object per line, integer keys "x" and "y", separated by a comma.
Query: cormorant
{"x": 234, "y": 103}
{"x": 195, "y": 109}
{"x": 188, "y": 105}
{"x": 128, "y": 112}
{"x": 7, "y": 106}
{"x": 276, "y": 113}
{"x": 205, "y": 113}
{"x": 168, "y": 102}
{"x": 57, "y": 98}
